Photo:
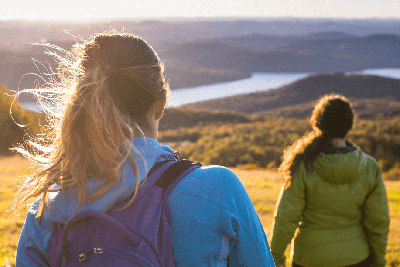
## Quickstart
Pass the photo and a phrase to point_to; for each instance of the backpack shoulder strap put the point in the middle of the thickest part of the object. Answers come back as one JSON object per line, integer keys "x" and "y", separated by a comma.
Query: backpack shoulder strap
{"x": 165, "y": 175}
{"x": 174, "y": 174}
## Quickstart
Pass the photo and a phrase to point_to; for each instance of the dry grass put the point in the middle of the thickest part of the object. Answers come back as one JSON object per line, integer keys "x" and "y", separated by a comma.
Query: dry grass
{"x": 12, "y": 169}
{"x": 263, "y": 187}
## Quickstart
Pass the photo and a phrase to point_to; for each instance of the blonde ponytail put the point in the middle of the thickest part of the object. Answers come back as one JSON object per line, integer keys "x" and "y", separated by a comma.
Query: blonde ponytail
{"x": 106, "y": 90}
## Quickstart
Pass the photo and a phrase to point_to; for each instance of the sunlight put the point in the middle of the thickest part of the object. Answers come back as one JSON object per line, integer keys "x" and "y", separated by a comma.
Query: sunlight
{"x": 74, "y": 9}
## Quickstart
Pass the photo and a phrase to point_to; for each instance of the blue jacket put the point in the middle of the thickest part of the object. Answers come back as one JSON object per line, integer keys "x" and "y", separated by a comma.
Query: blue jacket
{"x": 214, "y": 222}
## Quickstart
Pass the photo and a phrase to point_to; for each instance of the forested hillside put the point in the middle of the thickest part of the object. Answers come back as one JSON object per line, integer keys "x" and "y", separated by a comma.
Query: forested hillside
{"x": 278, "y": 117}
{"x": 245, "y": 129}
{"x": 261, "y": 143}
{"x": 14, "y": 122}
{"x": 370, "y": 109}
{"x": 176, "y": 117}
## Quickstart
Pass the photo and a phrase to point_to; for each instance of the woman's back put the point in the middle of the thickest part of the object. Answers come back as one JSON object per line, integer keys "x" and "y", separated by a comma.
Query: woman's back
{"x": 108, "y": 91}
{"x": 99, "y": 146}
{"x": 212, "y": 223}
{"x": 333, "y": 200}
{"x": 337, "y": 200}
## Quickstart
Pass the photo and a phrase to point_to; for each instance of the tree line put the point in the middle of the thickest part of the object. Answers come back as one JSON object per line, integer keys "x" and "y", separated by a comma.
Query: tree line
{"x": 261, "y": 143}
{"x": 225, "y": 137}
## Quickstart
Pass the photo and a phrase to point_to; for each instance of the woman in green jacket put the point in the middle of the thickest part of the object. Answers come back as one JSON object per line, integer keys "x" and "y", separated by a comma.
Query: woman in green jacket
{"x": 333, "y": 195}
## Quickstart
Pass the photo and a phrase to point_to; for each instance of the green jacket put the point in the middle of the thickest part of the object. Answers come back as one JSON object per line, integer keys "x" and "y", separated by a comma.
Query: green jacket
{"x": 340, "y": 211}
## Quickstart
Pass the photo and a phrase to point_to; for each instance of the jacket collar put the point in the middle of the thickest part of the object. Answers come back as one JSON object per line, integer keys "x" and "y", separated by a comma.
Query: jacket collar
{"x": 60, "y": 206}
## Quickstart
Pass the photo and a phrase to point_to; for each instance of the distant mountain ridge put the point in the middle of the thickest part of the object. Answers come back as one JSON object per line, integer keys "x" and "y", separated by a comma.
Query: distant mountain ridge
{"x": 199, "y": 52}
{"x": 324, "y": 52}
{"x": 159, "y": 31}
{"x": 306, "y": 90}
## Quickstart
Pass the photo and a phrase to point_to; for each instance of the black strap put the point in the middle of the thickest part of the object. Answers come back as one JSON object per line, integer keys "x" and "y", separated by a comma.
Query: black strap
{"x": 173, "y": 172}
{"x": 156, "y": 166}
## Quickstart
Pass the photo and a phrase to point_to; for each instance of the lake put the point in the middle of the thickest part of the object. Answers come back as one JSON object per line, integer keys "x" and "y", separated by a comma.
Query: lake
{"x": 257, "y": 82}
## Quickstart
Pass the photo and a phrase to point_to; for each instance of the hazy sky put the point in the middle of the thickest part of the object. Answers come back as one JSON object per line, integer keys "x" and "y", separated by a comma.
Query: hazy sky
{"x": 81, "y": 9}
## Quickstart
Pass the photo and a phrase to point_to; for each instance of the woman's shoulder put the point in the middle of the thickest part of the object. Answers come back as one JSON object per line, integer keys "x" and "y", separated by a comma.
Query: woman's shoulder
{"x": 367, "y": 159}
{"x": 214, "y": 183}
{"x": 216, "y": 172}
{"x": 368, "y": 164}
{"x": 215, "y": 175}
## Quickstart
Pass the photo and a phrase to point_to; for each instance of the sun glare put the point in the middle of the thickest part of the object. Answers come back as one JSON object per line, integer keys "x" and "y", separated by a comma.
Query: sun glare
{"x": 74, "y": 9}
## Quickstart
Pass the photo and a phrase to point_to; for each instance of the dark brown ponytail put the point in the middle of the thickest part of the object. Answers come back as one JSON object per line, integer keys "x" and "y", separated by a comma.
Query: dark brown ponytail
{"x": 332, "y": 117}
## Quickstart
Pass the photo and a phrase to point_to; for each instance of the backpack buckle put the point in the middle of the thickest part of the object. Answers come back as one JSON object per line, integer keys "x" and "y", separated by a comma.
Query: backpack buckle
{"x": 177, "y": 155}
{"x": 98, "y": 250}
{"x": 82, "y": 256}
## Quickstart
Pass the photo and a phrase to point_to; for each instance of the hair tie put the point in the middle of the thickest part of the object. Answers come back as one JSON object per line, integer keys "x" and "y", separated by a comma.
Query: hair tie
{"x": 135, "y": 67}
{"x": 105, "y": 70}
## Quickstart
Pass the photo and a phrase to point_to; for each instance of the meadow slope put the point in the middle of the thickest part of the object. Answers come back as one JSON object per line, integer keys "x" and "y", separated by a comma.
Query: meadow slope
{"x": 262, "y": 185}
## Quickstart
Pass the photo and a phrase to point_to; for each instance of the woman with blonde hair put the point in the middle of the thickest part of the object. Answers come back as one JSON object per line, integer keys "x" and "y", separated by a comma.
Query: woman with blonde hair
{"x": 333, "y": 195}
{"x": 98, "y": 150}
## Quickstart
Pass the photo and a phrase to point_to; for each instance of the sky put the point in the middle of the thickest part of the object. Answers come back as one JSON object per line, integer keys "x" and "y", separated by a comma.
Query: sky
{"x": 88, "y": 9}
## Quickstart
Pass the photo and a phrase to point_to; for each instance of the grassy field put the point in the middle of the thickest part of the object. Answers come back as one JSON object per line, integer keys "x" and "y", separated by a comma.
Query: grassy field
{"x": 11, "y": 171}
{"x": 262, "y": 185}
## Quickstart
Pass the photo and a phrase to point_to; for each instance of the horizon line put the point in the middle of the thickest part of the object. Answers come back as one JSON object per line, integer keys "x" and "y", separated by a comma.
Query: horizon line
{"x": 176, "y": 18}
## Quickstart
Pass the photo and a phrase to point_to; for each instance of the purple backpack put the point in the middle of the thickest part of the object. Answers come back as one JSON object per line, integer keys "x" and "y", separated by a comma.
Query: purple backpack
{"x": 140, "y": 235}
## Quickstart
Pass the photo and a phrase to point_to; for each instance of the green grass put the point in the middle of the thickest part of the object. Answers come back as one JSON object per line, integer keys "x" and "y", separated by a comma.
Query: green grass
{"x": 262, "y": 185}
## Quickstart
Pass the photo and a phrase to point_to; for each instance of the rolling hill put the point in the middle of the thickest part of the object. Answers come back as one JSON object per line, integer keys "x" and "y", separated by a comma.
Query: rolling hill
{"x": 306, "y": 90}
{"x": 369, "y": 109}
{"x": 175, "y": 118}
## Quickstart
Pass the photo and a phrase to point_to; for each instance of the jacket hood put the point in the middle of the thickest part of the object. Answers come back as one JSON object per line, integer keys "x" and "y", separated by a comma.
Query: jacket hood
{"x": 340, "y": 168}
{"x": 60, "y": 206}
